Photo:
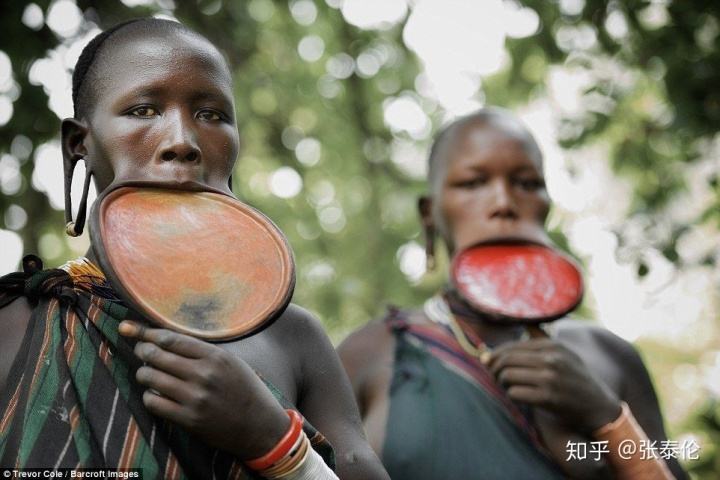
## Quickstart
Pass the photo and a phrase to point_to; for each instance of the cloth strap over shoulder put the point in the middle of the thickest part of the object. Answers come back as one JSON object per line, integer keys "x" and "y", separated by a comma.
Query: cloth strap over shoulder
{"x": 72, "y": 400}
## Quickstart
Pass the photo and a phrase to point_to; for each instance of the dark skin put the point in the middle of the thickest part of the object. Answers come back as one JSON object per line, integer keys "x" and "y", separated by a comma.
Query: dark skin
{"x": 165, "y": 113}
{"x": 490, "y": 186}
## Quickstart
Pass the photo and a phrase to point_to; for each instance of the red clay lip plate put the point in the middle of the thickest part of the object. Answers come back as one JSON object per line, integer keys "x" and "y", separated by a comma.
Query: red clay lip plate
{"x": 201, "y": 263}
{"x": 517, "y": 282}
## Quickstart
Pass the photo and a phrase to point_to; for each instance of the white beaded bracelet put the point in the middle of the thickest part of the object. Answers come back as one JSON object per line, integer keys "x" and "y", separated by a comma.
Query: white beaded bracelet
{"x": 313, "y": 467}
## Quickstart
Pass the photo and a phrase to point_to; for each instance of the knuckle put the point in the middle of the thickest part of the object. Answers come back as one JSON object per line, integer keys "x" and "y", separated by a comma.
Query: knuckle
{"x": 218, "y": 357}
{"x": 553, "y": 359}
{"x": 146, "y": 351}
{"x": 548, "y": 398}
{"x": 166, "y": 339}
{"x": 193, "y": 420}
{"x": 208, "y": 376}
{"x": 199, "y": 399}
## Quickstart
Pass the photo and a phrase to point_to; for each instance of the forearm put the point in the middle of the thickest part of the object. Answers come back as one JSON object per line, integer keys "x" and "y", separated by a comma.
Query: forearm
{"x": 564, "y": 446}
{"x": 626, "y": 431}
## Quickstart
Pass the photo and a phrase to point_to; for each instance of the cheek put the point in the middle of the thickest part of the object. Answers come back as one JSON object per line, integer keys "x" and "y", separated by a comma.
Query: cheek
{"x": 458, "y": 206}
{"x": 221, "y": 147}
{"x": 536, "y": 206}
{"x": 455, "y": 210}
{"x": 126, "y": 140}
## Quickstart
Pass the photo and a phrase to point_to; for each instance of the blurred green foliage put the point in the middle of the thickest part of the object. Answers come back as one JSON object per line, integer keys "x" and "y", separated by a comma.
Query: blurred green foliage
{"x": 653, "y": 101}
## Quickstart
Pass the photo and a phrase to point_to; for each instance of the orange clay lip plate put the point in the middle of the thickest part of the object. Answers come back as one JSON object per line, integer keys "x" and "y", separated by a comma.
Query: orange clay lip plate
{"x": 517, "y": 282}
{"x": 200, "y": 263}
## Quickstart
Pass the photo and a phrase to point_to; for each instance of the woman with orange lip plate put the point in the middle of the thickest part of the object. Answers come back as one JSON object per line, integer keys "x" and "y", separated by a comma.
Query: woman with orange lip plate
{"x": 154, "y": 101}
{"x": 431, "y": 408}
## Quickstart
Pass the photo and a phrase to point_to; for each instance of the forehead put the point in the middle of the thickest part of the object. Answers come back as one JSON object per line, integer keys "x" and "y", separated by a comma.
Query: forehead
{"x": 174, "y": 60}
{"x": 498, "y": 144}
{"x": 482, "y": 140}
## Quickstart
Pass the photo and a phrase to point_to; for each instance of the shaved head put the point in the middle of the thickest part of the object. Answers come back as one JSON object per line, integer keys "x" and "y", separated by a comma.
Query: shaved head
{"x": 88, "y": 77}
{"x": 496, "y": 119}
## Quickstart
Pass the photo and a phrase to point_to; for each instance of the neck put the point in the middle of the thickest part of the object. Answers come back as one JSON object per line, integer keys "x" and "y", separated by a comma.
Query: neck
{"x": 493, "y": 334}
{"x": 490, "y": 332}
{"x": 90, "y": 255}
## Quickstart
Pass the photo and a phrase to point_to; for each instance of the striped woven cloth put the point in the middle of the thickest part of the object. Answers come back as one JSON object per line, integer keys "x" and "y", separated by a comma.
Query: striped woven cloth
{"x": 71, "y": 399}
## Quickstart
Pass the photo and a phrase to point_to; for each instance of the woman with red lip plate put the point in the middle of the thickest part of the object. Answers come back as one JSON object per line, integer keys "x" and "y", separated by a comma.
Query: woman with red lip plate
{"x": 154, "y": 101}
{"x": 431, "y": 408}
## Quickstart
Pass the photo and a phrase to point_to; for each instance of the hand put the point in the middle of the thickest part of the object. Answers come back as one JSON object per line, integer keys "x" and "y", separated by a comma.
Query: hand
{"x": 207, "y": 391}
{"x": 544, "y": 373}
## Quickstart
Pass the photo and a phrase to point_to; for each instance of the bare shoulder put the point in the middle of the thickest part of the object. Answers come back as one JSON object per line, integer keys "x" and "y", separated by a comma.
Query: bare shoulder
{"x": 297, "y": 329}
{"x": 368, "y": 348}
{"x": 613, "y": 358}
{"x": 14, "y": 321}
{"x": 372, "y": 337}
{"x": 368, "y": 355}
{"x": 587, "y": 334}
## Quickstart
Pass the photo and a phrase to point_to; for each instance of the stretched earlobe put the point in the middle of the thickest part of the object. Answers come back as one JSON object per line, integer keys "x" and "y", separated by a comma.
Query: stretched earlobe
{"x": 75, "y": 228}
{"x": 430, "y": 249}
{"x": 73, "y": 148}
{"x": 425, "y": 211}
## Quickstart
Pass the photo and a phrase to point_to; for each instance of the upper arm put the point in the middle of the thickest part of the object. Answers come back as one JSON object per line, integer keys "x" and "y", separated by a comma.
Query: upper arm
{"x": 326, "y": 400}
{"x": 14, "y": 321}
{"x": 638, "y": 392}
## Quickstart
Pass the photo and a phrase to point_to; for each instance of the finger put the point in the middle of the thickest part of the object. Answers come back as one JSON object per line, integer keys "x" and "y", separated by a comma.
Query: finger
{"x": 183, "y": 345}
{"x": 168, "y": 362}
{"x": 166, "y": 385}
{"x": 525, "y": 345}
{"x": 527, "y": 394}
{"x": 519, "y": 376}
{"x": 165, "y": 408}
{"x": 523, "y": 359}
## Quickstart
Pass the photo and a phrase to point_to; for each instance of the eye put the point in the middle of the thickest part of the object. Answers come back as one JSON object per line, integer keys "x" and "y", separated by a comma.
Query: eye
{"x": 144, "y": 111}
{"x": 530, "y": 184}
{"x": 470, "y": 183}
{"x": 210, "y": 115}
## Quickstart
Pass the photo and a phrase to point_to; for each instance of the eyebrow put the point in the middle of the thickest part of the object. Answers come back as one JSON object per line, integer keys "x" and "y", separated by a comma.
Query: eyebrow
{"x": 205, "y": 95}
{"x": 144, "y": 91}
{"x": 211, "y": 96}
{"x": 523, "y": 168}
{"x": 516, "y": 170}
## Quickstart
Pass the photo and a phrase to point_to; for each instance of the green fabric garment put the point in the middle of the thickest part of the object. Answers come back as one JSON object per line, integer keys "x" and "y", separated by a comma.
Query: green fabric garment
{"x": 72, "y": 400}
{"x": 441, "y": 426}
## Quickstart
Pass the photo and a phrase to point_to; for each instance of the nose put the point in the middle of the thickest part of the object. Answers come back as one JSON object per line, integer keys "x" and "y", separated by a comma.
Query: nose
{"x": 180, "y": 142}
{"x": 503, "y": 206}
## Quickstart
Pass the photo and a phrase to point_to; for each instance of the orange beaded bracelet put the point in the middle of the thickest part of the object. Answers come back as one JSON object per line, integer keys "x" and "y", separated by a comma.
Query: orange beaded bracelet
{"x": 283, "y": 447}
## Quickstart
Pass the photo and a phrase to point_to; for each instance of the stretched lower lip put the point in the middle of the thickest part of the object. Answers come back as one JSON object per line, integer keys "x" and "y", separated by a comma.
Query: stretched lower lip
{"x": 178, "y": 173}
{"x": 183, "y": 184}
{"x": 501, "y": 235}
{"x": 177, "y": 182}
